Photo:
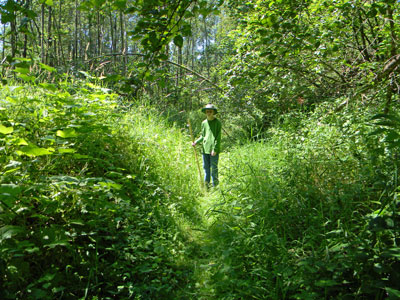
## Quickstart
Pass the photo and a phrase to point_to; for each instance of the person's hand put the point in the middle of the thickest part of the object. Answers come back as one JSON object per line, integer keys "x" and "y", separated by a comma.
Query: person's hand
{"x": 213, "y": 153}
{"x": 194, "y": 144}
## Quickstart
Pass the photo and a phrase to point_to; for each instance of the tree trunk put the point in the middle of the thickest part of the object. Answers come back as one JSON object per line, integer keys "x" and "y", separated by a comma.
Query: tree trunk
{"x": 99, "y": 28}
{"x": 60, "y": 51}
{"x": 13, "y": 37}
{"x": 193, "y": 48}
{"x": 393, "y": 50}
{"x": 90, "y": 48}
{"x": 189, "y": 44}
{"x": 35, "y": 42}
{"x": 113, "y": 40}
{"x": 112, "y": 35}
{"x": 49, "y": 55}
{"x": 389, "y": 97}
{"x": 24, "y": 53}
{"x": 123, "y": 49}
{"x": 75, "y": 55}
{"x": 179, "y": 70}
{"x": 205, "y": 50}
{"x": 42, "y": 36}
{"x": 3, "y": 42}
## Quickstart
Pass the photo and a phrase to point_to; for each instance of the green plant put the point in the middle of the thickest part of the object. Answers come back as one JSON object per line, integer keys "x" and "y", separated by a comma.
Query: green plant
{"x": 296, "y": 216}
{"x": 83, "y": 212}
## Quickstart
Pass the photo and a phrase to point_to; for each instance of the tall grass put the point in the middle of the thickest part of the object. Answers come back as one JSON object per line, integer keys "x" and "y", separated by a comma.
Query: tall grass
{"x": 90, "y": 196}
{"x": 169, "y": 153}
{"x": 298, "y": 211}
{"x": 100, "y": 201}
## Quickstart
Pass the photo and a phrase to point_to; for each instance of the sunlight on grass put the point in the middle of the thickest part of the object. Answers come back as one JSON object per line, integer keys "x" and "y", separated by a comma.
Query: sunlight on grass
{"x": 93, "y": 187}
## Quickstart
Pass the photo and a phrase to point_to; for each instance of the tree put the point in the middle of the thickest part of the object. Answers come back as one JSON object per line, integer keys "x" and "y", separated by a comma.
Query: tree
{"x": 311, "y": 50}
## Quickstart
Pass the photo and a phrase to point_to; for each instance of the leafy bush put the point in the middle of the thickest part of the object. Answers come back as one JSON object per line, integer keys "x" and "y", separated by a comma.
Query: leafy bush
{"x": 100, "y": 201}
{"x": 304, "y": 214}
{"x": 83, "y": 212}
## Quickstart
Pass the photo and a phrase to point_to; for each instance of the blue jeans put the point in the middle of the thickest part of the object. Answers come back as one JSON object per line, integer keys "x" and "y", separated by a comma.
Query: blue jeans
{"x": 210, "y": 165}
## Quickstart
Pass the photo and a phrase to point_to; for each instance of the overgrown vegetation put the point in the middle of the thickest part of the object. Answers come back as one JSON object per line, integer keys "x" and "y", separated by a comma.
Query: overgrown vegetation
{"x": 100, "y": 201}
{"x": 89, "y": 199}
{"x": 99, "y": 187}
{"x": 311, "y": 213}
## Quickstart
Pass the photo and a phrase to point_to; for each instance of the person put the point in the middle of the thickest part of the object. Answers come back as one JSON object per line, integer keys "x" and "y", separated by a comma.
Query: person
{"x": 211, "y": 144}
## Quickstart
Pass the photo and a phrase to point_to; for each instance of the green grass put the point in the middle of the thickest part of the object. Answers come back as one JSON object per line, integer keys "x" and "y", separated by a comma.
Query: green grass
{"x": 99, "y": 201}
{"x": 92, "y": 201}
{"x": 298, "y": 213}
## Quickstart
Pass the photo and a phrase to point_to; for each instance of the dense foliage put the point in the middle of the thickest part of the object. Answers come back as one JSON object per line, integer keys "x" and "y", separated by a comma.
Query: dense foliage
{"x": 311, "y": 213}
{"x": 85, "y": 208}
{"x": 295, "y": 54}
{"x": 99, "y": 186}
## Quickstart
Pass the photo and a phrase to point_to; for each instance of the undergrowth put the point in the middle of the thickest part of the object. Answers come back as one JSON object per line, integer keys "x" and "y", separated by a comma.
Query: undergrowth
{"x": 310, "y": 213}
{"x": 101, "y": 200}
{"x": 89, "y": 197}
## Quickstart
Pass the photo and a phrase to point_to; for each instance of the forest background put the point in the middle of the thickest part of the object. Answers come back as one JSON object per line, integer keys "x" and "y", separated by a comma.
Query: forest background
{"x": 100, "y": 195}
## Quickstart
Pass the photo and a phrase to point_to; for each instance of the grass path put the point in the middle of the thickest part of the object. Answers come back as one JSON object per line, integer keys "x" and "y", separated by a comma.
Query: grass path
{"x": 202, "y": 259}
{"x": 171, "y": 155}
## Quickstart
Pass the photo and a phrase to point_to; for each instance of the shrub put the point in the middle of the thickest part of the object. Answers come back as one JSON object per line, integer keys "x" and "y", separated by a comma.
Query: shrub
{"x": 300, "y": 217}
{"x": 84, "y": 213}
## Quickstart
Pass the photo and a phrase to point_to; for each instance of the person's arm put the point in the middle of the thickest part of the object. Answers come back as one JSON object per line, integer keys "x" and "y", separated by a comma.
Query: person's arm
{"x": 201, "y": 138}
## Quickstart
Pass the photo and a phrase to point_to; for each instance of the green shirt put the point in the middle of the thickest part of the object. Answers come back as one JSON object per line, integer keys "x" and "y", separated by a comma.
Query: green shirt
{"x": 210, "y": 136}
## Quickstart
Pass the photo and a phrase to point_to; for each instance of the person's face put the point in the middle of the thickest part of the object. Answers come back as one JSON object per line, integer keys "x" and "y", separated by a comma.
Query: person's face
{"x": 210, "y": 113}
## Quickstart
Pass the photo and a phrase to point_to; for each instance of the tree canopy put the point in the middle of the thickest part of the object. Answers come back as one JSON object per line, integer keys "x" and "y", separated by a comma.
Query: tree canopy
{"x": 269, "y": 56}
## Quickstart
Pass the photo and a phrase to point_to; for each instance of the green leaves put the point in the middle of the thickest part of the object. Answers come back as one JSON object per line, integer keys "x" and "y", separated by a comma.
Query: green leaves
{"x": 47, "y": 68}
{"x": 47, "y": 2}
{"x": 22, "y": 70}
{"x": 48, "y": 86}
{"x": 8, "y": 195}
{"x": 26, "y": 77}
{"x": 6, "y": 130}
{"x": 54, "y": 236}
{"x": 9, "y": 190}
{"x": 10, "y": 231}
{"x": 33, "y": 151}
{"x": 73, "y": 198}
{"x": 326, "y": 283}
{"x": 178, "y": 40}
{"x": 388, "y": 126}
{"x": 120, "y": 4}
{"x": 393, "y": 293}
{"x": 67, "y": 133}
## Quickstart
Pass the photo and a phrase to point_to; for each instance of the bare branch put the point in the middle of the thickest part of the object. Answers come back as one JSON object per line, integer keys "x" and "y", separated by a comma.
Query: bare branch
{"x": 167, "y": 61}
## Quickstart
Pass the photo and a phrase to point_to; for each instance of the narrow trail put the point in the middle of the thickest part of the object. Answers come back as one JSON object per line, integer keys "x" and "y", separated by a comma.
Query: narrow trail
{"x": 202, "y": 259}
